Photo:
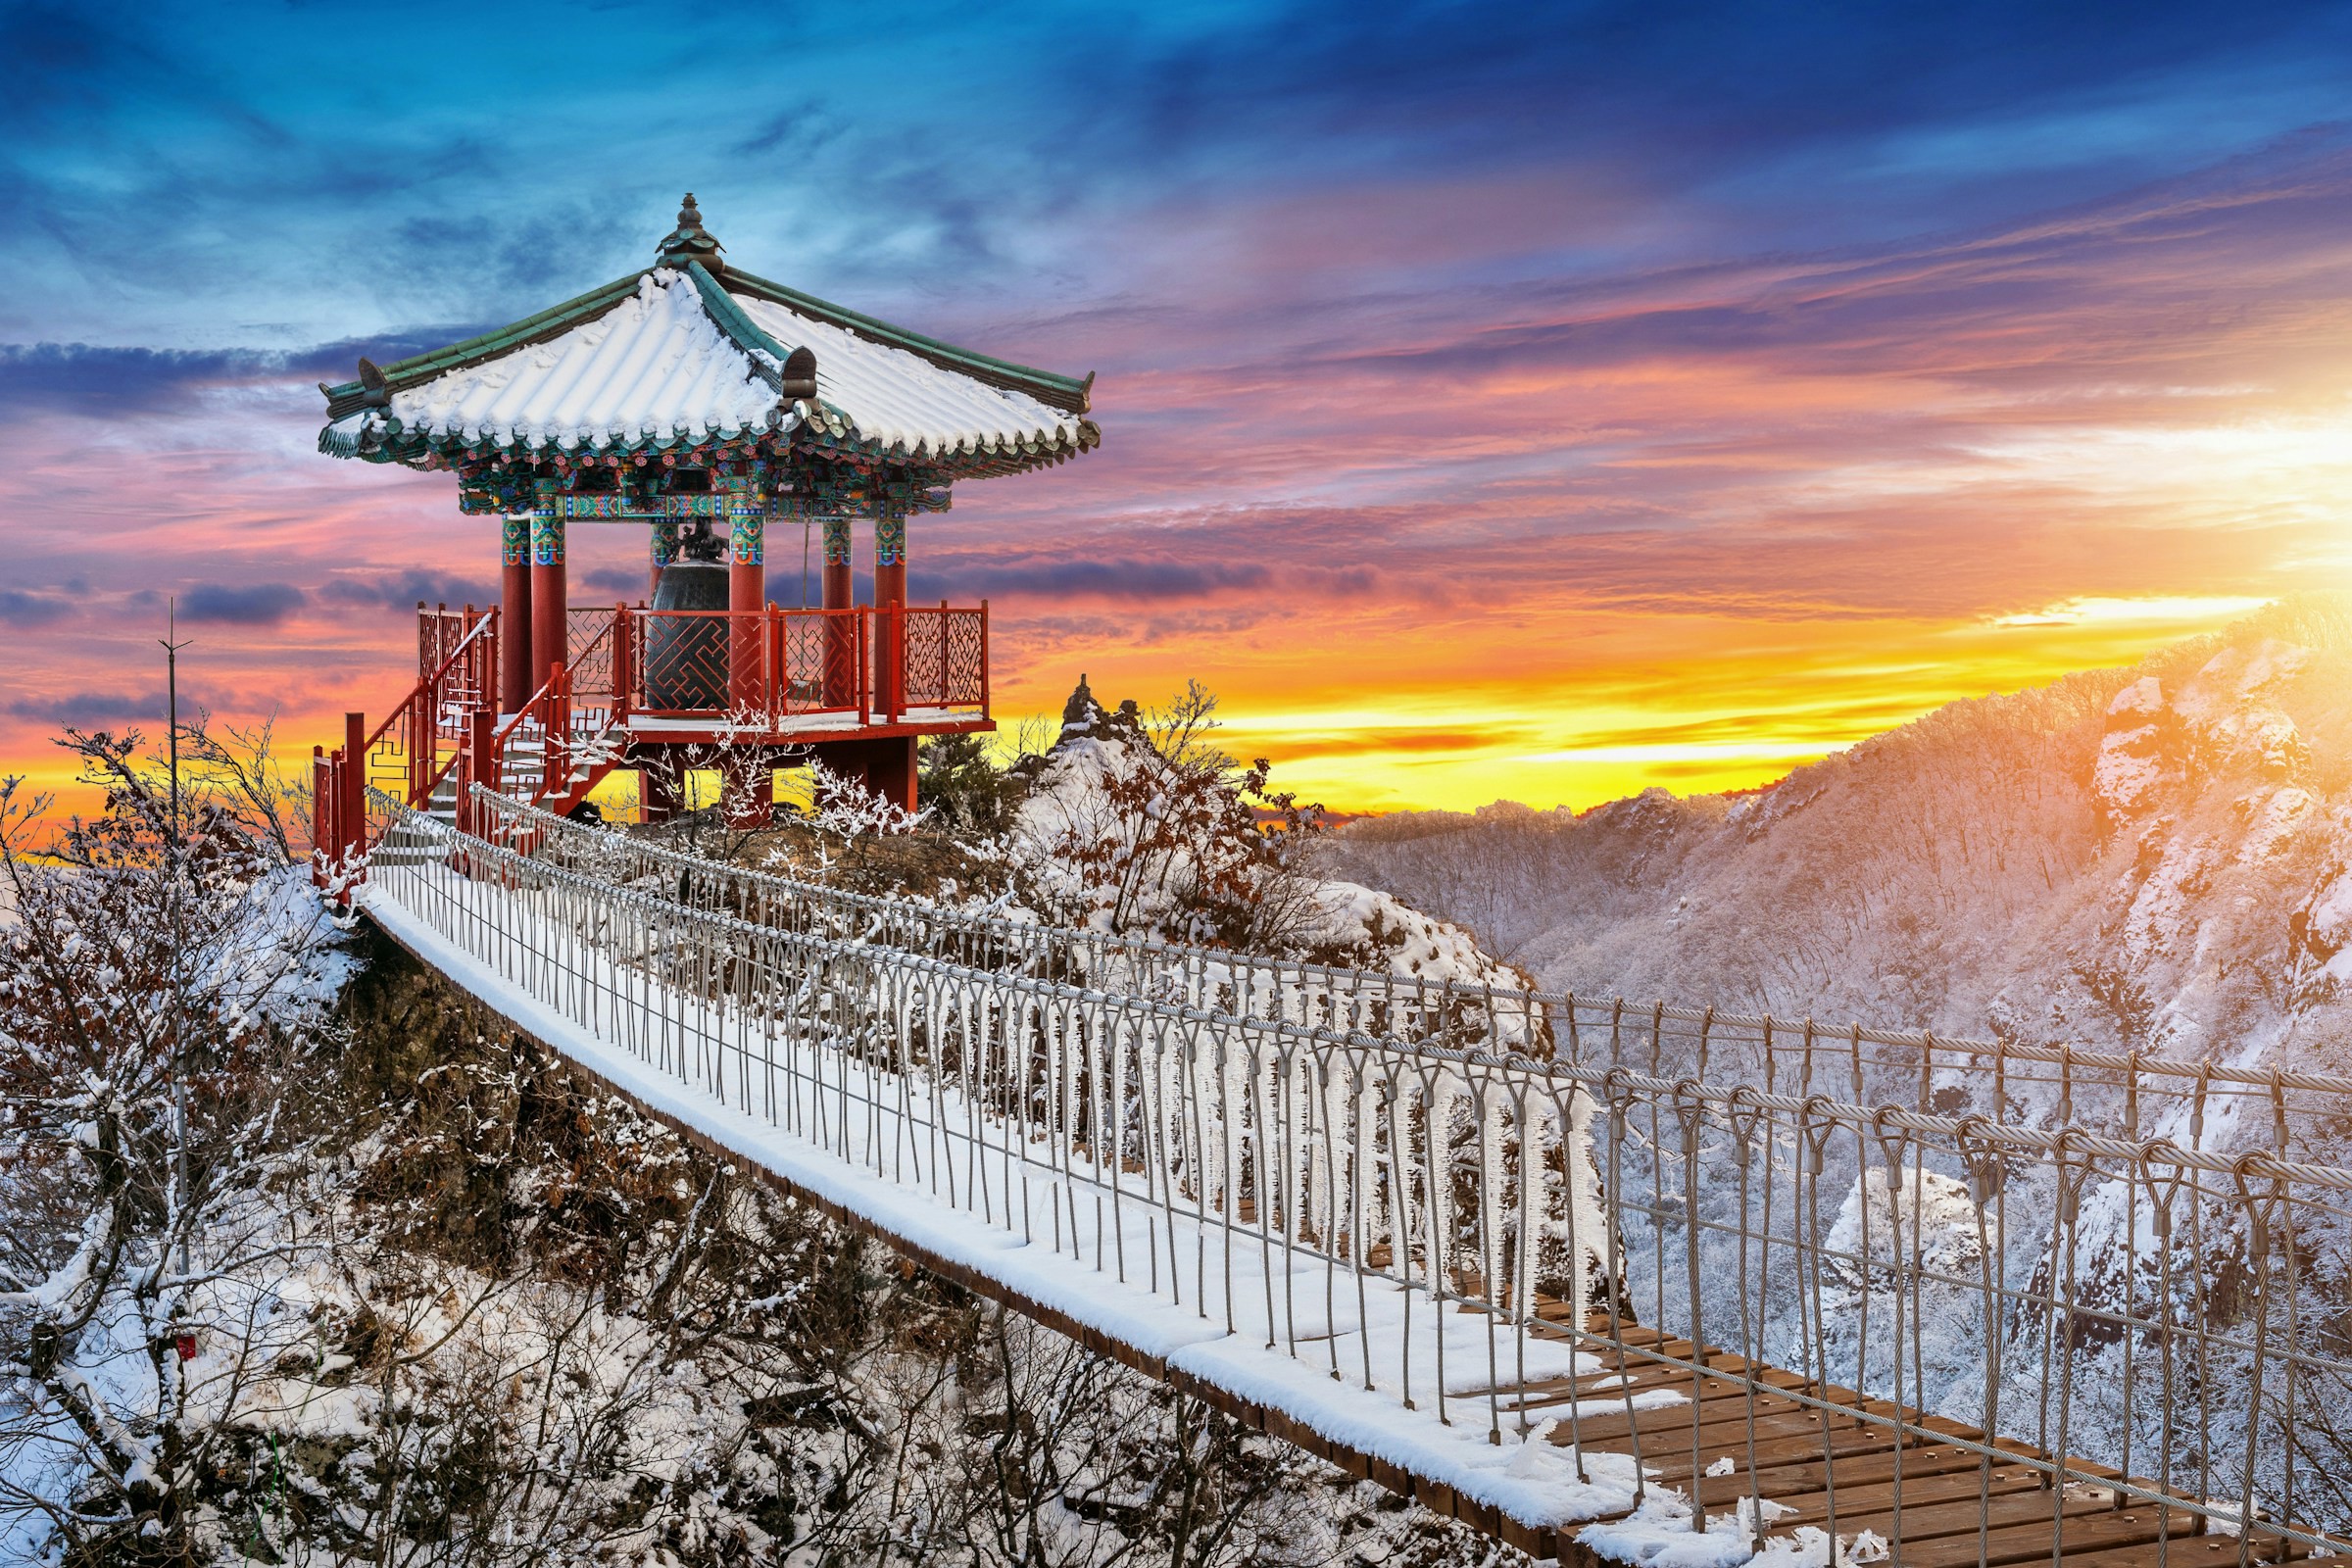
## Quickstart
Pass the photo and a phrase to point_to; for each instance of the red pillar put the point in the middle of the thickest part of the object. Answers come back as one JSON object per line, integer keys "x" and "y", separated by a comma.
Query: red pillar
{"x": 840, "y": 632}
{"x": 883, "y": 767}
{"x": 657, "y": 785}
{"x": 549, "y": 645}
{"x": 515, "y": 683}
{"x": 625, "y": 631}
{"x": 355, "y": 785}
{"x": 890, "y": 769}
{"x": 480, "y": 766}
{"x": 889, "y": 593}
{"x": 747, "y": 608}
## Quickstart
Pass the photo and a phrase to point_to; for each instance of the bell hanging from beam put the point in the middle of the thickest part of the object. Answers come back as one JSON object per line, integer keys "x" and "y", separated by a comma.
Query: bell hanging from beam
{"x": 685, "y": 643}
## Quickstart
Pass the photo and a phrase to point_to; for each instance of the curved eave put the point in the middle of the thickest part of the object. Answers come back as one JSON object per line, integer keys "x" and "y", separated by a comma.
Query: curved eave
{"x": 974, "y": 453}
{"x": 366, "y": 439}
{"x": 975, "y": 461}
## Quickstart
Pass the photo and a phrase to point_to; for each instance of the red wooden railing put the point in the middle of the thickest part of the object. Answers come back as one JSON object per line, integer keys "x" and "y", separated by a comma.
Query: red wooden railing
{"x": 414, "y": 748}
{"x": 759, "y": 667}
{"x": 740, "y": 665}
{"x": 439, "y": 631}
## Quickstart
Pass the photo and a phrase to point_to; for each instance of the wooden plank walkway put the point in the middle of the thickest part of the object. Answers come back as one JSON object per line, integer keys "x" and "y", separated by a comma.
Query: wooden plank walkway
{"x": 1956, "y": 1506}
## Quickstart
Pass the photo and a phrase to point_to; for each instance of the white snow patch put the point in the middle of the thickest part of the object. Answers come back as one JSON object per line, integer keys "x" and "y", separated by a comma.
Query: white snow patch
{"x": 2144, "y": 696}
{"x": 2277, "y": 823}
{"x": 1661, "y": 1534}
{"x": 2124, "y": 779}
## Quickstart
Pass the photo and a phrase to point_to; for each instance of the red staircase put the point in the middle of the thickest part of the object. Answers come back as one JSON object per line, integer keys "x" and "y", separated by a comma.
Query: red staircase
{"x": 637, "y": 676}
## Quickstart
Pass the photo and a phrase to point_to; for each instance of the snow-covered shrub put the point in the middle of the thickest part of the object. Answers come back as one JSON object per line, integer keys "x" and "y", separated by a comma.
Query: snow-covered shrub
{"x": 1139, "y": 823}
{"x": 847, "y": 818}
{"x": 161, "y": 969}
{"x": 961, "y": 787}
{"x": 672, "y": 791}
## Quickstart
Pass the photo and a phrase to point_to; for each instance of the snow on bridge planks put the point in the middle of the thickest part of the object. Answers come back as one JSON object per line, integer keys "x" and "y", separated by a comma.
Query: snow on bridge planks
{"x": 1938, "y": 1505}
{"x": 1831, "y": 1460}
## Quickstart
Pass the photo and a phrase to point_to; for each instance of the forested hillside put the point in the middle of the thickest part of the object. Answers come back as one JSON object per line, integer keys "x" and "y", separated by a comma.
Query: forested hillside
{"x": 2152, "y": 856}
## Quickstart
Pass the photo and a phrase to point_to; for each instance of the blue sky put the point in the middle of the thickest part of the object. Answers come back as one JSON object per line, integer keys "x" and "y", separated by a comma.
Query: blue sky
{"x": 1590, "y": 331}
{"x": 281, "y": 176}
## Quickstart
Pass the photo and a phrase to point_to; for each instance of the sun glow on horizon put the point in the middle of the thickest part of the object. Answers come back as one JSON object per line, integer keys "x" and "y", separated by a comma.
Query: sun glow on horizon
{"x": 2168, "y": 611}
{"x": 1743, "y": 704}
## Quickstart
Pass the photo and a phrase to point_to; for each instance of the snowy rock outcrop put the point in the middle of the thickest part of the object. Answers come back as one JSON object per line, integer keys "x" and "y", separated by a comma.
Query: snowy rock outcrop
{"x": 1909, "y": 1236}
{"x": 1142, "y": 829}
{"x": 2131, "y": 755}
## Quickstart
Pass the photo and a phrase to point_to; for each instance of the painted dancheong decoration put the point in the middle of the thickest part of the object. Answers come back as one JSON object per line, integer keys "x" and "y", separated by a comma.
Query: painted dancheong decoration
{"x": 714, "y": 408}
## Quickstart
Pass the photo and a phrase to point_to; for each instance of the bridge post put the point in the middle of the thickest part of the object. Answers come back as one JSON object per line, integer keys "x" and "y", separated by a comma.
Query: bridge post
{"x": 514, "y": 614}
{"x": 334, "y": 811}
{"x": 476, "y": 766}
{"x": 550, "y": 637}
{"x": 322, "y": 795}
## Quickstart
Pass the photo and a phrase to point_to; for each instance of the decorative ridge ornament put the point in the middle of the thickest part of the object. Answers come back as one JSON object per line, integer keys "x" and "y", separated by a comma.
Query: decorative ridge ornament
{"x": 800, "y": 374}
{"x": 690, "y": 241}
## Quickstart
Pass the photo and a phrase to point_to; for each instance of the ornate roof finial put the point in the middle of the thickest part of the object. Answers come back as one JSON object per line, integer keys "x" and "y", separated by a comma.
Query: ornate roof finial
{"x": 690, "y": 241}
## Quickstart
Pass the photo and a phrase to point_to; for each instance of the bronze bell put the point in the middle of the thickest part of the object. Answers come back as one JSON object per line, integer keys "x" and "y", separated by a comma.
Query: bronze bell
{"x": 685, "y": 645}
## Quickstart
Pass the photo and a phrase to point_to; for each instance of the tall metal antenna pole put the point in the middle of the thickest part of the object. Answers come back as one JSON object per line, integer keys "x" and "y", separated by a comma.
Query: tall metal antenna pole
{"x": 171, "y": 697}
{"x": 172, "y": 869}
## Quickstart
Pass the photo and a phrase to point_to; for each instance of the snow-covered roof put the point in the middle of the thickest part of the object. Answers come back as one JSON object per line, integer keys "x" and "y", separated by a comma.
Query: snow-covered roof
{"x": 898, "y": 397}
{"x": 657, "y": 364}
{"x": 692, "y": 351}
{"x": 653, "y": 365}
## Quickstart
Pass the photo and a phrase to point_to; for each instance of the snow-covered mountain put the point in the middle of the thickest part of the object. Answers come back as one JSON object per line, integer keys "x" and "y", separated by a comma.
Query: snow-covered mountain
{"x": 2155, "y": 857}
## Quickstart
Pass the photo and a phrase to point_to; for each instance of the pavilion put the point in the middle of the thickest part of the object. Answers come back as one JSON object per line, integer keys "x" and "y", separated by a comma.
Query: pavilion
{"x": 686, "y": 397}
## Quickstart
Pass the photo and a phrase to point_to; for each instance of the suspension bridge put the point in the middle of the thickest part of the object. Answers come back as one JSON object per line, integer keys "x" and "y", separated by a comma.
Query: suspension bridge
{"x": 1609, "y": 1283}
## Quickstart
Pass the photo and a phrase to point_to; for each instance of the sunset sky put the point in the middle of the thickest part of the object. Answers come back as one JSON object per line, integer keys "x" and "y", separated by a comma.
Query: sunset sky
{"x": 1499, "y": 400}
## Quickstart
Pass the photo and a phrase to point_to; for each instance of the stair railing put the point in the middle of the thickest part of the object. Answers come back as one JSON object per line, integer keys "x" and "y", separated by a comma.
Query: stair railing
{"x": 403, "y": 756}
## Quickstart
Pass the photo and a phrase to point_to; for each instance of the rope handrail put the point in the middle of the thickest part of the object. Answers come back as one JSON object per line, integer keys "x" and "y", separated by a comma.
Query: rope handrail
{"x": 1722, "y": 1097}
{"x": 1499, "y": 1004}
